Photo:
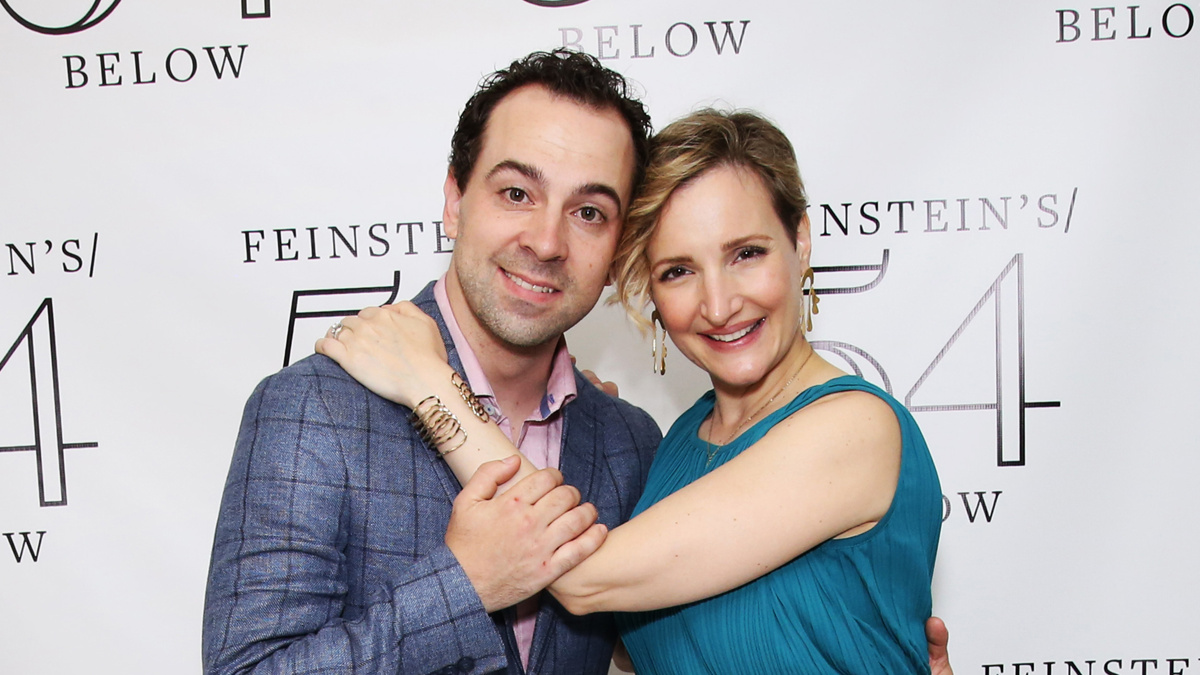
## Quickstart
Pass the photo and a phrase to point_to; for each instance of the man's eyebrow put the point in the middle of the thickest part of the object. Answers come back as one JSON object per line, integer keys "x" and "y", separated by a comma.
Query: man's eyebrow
{"x": 531, "y": 172}
{"x": 601, "y": 189}
{"x": 535, "y": 174}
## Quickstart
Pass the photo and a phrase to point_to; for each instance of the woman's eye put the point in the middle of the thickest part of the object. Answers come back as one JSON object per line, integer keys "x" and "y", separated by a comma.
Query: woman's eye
{"x": 672, "y": 273}
{"x": 750, "y": 252}
{"x": 515, "y": 194}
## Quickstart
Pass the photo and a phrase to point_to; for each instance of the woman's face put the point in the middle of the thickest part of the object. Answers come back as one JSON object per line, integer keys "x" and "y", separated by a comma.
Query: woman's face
{"x": 725, "y": 277}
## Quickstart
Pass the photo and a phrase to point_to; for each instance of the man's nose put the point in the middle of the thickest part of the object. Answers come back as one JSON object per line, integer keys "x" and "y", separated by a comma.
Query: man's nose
{"x": 544, "y": 236}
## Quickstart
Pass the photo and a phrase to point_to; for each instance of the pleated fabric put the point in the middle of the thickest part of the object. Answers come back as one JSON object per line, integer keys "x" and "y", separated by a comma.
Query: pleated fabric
{"x": 855, "y": 605}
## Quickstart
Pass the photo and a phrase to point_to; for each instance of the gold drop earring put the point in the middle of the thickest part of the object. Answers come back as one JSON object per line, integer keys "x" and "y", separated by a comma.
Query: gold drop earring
{"x": 811, "y": 302}
{"x": 659, "y": 358}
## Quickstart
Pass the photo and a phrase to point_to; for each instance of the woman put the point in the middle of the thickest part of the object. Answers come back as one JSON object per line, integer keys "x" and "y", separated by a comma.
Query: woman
{"x": 791, "y": 516}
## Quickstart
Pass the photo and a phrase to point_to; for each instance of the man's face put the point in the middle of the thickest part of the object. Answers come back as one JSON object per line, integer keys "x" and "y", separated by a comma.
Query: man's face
{"x": 538, "y": 221}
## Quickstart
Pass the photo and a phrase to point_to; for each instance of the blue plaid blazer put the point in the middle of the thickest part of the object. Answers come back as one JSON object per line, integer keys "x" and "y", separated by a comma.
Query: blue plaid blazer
{"x": 329, "y": 554}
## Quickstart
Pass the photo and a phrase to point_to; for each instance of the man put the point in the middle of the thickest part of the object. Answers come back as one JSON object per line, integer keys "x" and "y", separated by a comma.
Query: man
{"x": 341, "y": 546}
{"x": 337, "y": 549}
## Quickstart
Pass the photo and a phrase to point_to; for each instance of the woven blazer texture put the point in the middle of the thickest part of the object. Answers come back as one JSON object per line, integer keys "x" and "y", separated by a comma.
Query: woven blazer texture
{"x": 329, "y": 553}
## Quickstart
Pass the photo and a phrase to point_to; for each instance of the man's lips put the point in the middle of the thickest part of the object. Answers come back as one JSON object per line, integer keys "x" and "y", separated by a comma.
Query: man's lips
{"x": 736, "y": 335}
{"x": 528, "y": 285}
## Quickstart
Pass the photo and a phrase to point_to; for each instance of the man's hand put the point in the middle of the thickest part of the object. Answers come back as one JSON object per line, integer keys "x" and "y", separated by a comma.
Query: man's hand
{"x": 513, "y": 545}
{"x": 621, "y": 658}
{"x": 938, "y": 638}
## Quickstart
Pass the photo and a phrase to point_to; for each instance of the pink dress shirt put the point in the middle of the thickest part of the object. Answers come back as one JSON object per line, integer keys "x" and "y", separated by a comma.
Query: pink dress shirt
{"x": 541, "y": 434}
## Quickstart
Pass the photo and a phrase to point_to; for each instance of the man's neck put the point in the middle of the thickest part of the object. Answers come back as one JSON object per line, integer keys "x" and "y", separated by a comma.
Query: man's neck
{"x": 518, "y": 375}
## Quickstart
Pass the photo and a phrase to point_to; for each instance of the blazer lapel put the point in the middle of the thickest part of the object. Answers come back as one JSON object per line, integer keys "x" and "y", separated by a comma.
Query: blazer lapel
{"x": 582, "y": 456}
{"x": 580, "y": 461}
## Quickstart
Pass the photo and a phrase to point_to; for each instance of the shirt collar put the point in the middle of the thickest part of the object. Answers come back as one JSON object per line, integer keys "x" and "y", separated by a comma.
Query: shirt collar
{"x": 559, "y": 390}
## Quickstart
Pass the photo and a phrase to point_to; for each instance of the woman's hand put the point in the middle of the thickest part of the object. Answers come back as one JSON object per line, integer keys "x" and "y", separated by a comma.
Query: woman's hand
{"x": 395, "y": 351}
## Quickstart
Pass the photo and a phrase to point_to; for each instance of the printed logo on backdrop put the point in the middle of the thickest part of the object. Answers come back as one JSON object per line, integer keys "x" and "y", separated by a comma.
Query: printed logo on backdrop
{"x": 680, "y": 39}
{"x": 312, "y": 310}
{"x": 39, "y": 427}
{"x": 987, "y": 375}
{"x": 321, "y": 305}
{"x": 1093, "y": 666}
{"x": 30, "y": 386}
{"x": 335, "y": 242}
{"x": 128, "y": 65}
{"x": 555, "y": 3}
{"x": 66, "y": 257}
{"x": 55, "y": 18}
{"x": 1131, "y": 22}
{"x": 639, "y": 41}
{"x": 30, "y": 380}
{"x": 1049, "y": 211}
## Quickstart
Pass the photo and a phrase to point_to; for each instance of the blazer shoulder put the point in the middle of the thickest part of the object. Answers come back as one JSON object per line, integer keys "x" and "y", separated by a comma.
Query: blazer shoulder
{"x": 315, "y": 378}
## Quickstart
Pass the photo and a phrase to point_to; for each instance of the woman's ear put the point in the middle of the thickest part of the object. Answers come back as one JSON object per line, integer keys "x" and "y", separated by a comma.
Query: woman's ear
{"x": 804, "y": 242}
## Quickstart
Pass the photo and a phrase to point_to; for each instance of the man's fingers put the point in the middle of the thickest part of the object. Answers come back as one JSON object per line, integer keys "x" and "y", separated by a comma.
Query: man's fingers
{"x": 938, "y": 637}
{"x": 536, "y": 485}
{"x": 556, "y": 502}
{"x": 577, "y": 550}
{"x": 489, "y": 477}
{"x": 936, "y": 633}
{"x": 621, "y": 658}
{"x": 570, "y": 525}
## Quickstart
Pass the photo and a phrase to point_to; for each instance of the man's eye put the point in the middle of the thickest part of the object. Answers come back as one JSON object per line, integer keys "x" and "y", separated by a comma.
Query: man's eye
{"x": 515, "y": 194}
{"x": 591, "y": 214}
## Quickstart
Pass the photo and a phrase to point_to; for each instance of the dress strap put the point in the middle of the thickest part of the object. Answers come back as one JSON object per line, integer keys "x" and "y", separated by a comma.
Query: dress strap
{"x": 804, "y": 398}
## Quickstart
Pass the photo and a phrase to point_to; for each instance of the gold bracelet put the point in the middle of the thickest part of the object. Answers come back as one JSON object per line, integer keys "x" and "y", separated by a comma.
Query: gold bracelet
{"x": 437, "y": 425}
{"x": 469, "y": 397}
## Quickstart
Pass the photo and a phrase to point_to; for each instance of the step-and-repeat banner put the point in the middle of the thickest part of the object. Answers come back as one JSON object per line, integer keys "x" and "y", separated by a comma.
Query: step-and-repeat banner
{"x": 1004, "y": 228}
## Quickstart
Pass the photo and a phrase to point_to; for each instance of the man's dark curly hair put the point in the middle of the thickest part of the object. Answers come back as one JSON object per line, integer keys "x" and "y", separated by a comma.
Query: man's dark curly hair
{"x": 574, "y": 75}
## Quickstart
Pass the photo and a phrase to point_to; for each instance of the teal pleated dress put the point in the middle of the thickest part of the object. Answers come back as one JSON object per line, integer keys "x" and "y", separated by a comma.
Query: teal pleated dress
{"x": 854, "y": 605}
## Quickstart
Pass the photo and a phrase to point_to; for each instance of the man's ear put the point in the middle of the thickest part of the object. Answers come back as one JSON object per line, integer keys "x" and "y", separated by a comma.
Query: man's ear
{"x": 450, "y": 209}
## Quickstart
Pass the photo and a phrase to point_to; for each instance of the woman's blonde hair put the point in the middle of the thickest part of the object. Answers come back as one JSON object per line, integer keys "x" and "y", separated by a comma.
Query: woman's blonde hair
{"x": 681, "y": 153}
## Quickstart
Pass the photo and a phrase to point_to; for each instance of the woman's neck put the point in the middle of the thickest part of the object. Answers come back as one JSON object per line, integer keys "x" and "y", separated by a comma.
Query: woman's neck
{"x": 738, "y": 407}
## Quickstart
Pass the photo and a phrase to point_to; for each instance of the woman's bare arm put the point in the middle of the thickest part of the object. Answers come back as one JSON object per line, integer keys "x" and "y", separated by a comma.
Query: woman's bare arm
{"x": 397, "y": 352}
{"x": 828, "y": 470}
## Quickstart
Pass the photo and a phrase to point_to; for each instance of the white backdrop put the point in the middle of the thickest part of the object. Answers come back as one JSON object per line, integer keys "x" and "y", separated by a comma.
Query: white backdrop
{"x": 1030, "y": 160}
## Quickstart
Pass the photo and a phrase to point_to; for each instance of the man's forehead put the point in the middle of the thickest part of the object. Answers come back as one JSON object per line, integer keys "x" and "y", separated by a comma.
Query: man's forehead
{"x": 533, "y": 114}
